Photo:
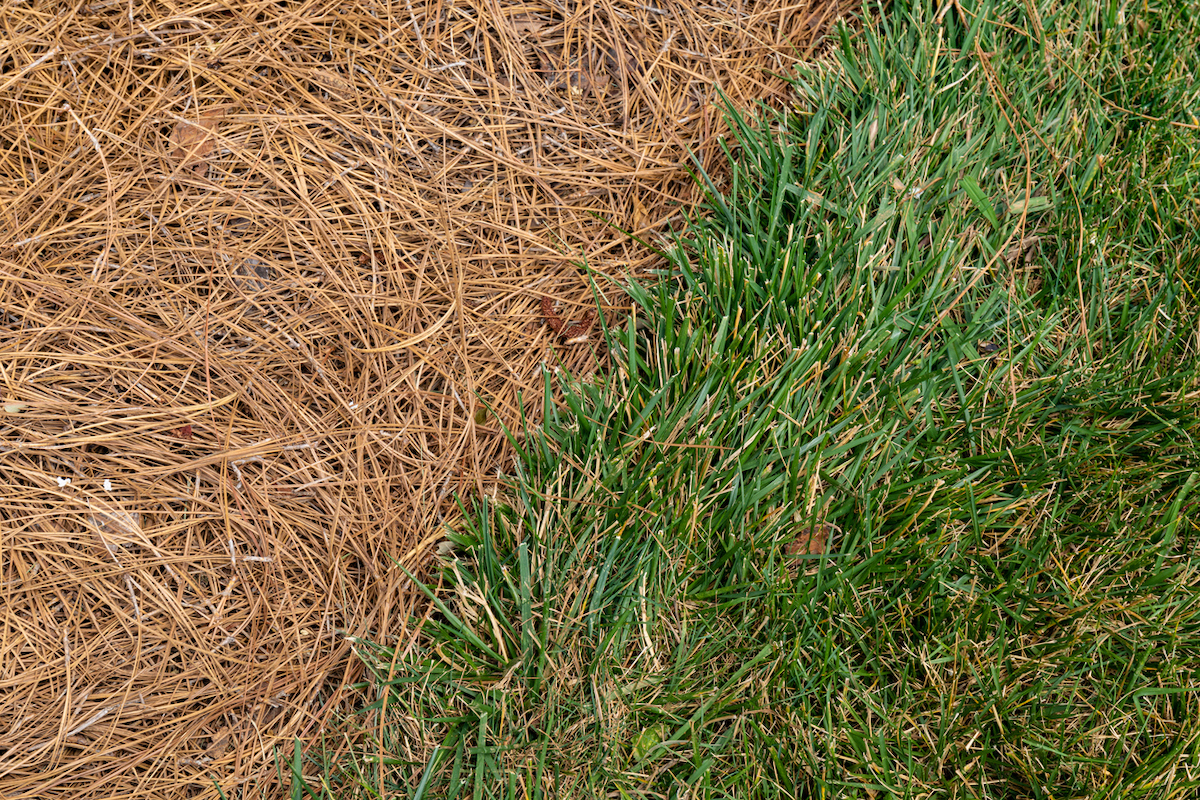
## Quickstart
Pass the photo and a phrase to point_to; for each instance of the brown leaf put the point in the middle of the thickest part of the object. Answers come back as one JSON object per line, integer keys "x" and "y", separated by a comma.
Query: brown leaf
{"x": 812, "y": 541}
{"x": 580, "y": 76}
{"x": 524, "y": 23}
{"x": 116, "y": 527}
{"x": 619, "y": 56}
{"x": 193, "y": 142}
{"x": 817, "y": 20}
{"x": 332, "y": 82}
{"x": 567, "y": 332}
{"x": 640, "y": 218}
{"x": 369, "y": 259}
{"x": 253, "y": 275}
{"x": 1023, "y": 252}
{"x": 219, "y": 743}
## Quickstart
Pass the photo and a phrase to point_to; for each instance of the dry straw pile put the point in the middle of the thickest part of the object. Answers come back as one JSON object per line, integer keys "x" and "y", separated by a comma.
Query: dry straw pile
{"x": 264, "y": 269}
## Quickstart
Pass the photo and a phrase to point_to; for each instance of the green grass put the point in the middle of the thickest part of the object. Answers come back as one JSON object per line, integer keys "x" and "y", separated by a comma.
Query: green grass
{"x": 947, "y": 305}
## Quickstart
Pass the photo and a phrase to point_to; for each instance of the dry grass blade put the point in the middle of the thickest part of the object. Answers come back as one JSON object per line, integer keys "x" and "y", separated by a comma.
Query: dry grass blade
{"x": 274, "y": 377}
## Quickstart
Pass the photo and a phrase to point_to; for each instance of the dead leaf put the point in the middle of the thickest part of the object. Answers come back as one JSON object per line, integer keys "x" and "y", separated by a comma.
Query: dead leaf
{"x": 620, "y": 58}
{"x": 524, "y": 23}
{"x": 567, "y": 332}
{"x": 218, "y": 746}
{"x": 253, "y": 275}
{"x": 375, "y": 259}
{"x": 333, "y": 83}
{"x": 640, "y": 217}
{"x": 581, "y": 76}
{"x": 116, "y": 527}
{"x": 236, "y": 226}
{"x": 817, "y": 19}
{"x": 193, "y": 142}
{"x": 1024, "y": 251}
{"x": 812, "y": 541}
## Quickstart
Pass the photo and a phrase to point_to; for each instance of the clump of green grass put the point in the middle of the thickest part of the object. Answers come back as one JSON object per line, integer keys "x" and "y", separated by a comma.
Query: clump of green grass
{"x": 948, "y": 306}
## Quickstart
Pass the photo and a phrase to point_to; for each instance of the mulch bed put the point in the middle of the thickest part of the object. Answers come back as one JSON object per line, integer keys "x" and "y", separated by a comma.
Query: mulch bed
{"x": 272, "y": 277}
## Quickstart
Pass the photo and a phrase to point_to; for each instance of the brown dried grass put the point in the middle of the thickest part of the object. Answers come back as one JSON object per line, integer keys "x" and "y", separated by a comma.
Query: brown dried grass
{"x": 262, "y": 265}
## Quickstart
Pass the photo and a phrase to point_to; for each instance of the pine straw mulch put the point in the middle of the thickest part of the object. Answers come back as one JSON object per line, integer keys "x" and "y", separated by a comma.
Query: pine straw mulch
{"x": 271, "y": 276}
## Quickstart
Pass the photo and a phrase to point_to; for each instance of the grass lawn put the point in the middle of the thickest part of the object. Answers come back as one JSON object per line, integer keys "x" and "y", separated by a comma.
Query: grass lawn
{"x": 892, "y": 492}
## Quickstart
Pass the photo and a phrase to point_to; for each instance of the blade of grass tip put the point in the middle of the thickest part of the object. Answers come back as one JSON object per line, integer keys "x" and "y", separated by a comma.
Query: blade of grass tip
{"x": 762, "y": 654}
{"x": 980, "y": 201}
{"x": 518, "y": 445}
{"x": 524, "y": 597}
{"x": 607, "y": 220}
{"x": 597, "y": 600}
{"x": 299, "y": 787}
{"x": 1172, "y": 521}
{"x": 480, "y": 757}
{"x": 595, "y": 290}
{"x": 712, "y": 193}
{"x": 450, "y": 615}
{"x": 456, "y": 769}
{"x": 540, "y": 769}
{"x": 425, "y": 776}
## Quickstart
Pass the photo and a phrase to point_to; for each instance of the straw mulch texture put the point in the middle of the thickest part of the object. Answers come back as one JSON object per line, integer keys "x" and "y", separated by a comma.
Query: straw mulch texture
{"x": 272, "y": 275}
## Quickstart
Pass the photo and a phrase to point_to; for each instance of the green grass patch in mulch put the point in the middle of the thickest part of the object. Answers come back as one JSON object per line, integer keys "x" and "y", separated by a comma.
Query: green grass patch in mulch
{"x": 893, "y": 492}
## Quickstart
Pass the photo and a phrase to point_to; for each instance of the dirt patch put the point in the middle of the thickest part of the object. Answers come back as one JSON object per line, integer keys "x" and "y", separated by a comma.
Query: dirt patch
{"x": 272, "y": 276}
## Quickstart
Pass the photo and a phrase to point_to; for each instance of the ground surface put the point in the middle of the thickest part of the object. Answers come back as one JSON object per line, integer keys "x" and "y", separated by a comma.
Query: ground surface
{"x": 891, "y": 489}
{"x": 273, "y": 278}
